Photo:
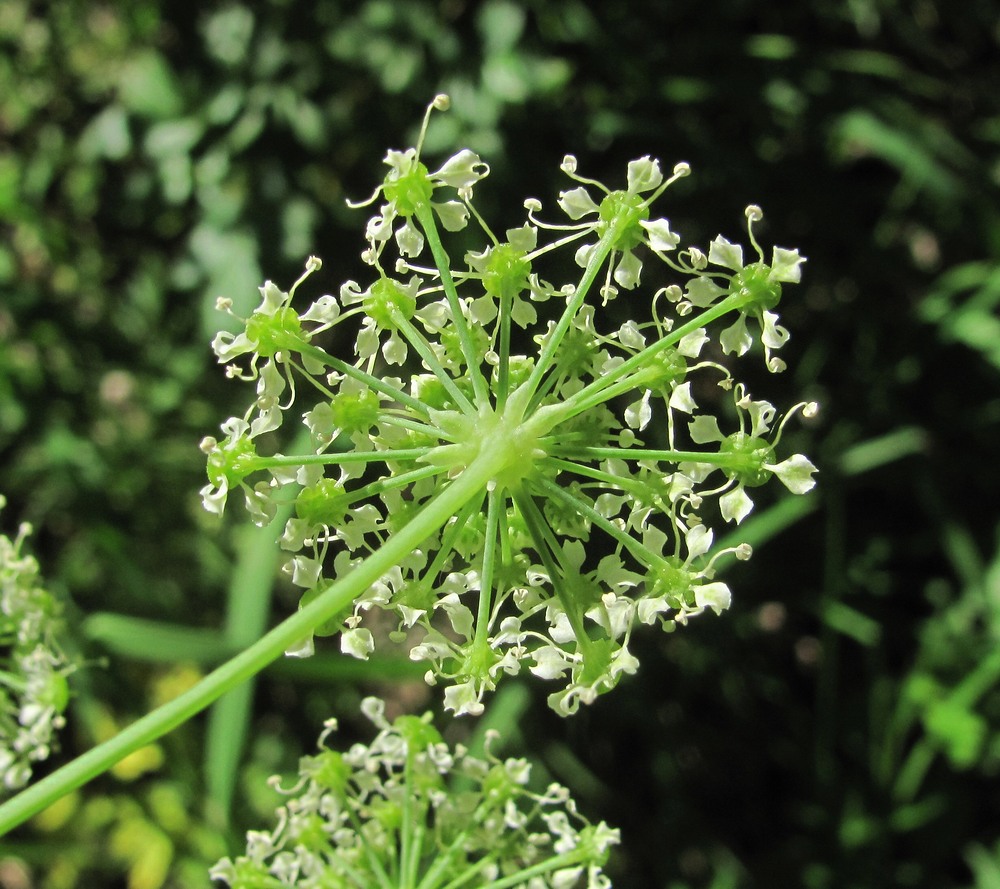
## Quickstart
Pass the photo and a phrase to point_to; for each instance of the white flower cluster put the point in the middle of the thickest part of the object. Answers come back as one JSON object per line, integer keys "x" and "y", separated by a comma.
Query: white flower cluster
{"x": 33, "y": 670}
{"x": 386, "y": 814}
{"x": 565, "y": 473}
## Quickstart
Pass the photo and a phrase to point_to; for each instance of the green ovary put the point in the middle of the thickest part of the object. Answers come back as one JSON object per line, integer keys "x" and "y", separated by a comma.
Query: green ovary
{"x": 754, "y": 285}
{"x": 666, "y": 366}
{"x": 749, "y": 456}
{"x": 387, "y": 301}
{"x": 272, "y": 333}
{"x": 232, "y": 463}
{"x": 506, "y": 271}
{"x": 409, "y": 191}
{"x": 620, "y": 205}
{"x": 672, "y": 581}
{"x": 323, "y": 503}
{"x": 355, "y": 411}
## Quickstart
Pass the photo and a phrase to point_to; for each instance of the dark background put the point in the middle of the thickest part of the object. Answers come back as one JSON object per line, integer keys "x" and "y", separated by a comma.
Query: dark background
{"x": 840, "y": 726}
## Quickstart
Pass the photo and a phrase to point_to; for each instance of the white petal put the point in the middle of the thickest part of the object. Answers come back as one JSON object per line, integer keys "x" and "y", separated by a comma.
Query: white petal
{"x": 713, "y": 595}
{"x": 703, "y": 291}
{"x": 705, "y": 429}
{"x": 699, "y": 540}
{"x": 325, "y": 310}
{"x": 550, "y": 663}
{"x": 638, "y": 415}
{"x": 227, "y": 346}
{"x": 305, "y": 571}
{"x": 648, "y": 609}
{"x": 735, "y": 505}
{"x": 786, "y": 265}
{"x": 524, "y": 239}
{"x": 394, "y": 350}
{"x": 462, "y": 699}
{"x": 462, "y": 170}
{"x": 795, "y": 473}
{"x": 214, "y": 499}
{"x": 643, "y": 175}
{"x": 379, "y": 227}
{"x": 690, "y": 345}
{"x": 271, "y": 298}
{"x": 357, "y": 643}
{"x": 410, "y": 241}
{"x": 681, "y": 400}
{"x": 523, "y": 313}
{"x": 724, "y": 252}
{"x": 582, "y": 256}
{"x": 630, "y": 337}
{"x": 577, "y": 203}
{"x": 774, "y": 336}
{"x": 628, "y": 270}
{"x": 305, "y": 648}
{"x": 736, "y": 339}
{"x": 660, "y": 236}
{"x": 454, "y": 215}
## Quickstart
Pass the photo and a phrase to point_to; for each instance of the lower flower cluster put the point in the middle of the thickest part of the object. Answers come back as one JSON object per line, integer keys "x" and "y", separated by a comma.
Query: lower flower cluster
{"x": 33, "y": 669}
{"x": 407, "y": 811}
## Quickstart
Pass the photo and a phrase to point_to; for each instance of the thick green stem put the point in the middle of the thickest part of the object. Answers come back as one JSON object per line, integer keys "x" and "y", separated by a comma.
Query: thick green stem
{"x": 715, "y": 458}
{"x": 596, "y": 392}
{"x": 642, "y": 553}
{"x": 426, "y": 217}
{"x": 503, "y": 369}
{"x": 336, "y": 458}
{"x": 494, "y": 502}
{"x": 268, "y": 648}
{"x": 552, "y": 342}
{"x": 349, "y": 370}
{"x": 549, "y": 552}
{"x": 423, "y": 348}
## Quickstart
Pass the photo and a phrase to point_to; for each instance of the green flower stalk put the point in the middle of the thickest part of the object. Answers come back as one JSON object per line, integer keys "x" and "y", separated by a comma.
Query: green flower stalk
{"x": 390, "y": 816}
{"x": 33, "y": 668}
{"x": 554, "y": 498}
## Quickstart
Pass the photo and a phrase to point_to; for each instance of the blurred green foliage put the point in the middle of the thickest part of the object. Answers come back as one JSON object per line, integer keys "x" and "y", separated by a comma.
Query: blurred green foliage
{"x": 841, "y": 727}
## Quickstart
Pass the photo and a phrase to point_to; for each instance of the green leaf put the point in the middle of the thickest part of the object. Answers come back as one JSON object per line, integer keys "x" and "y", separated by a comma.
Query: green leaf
{"x": 106, "y": 136}
{"x": 148, "y": 87}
